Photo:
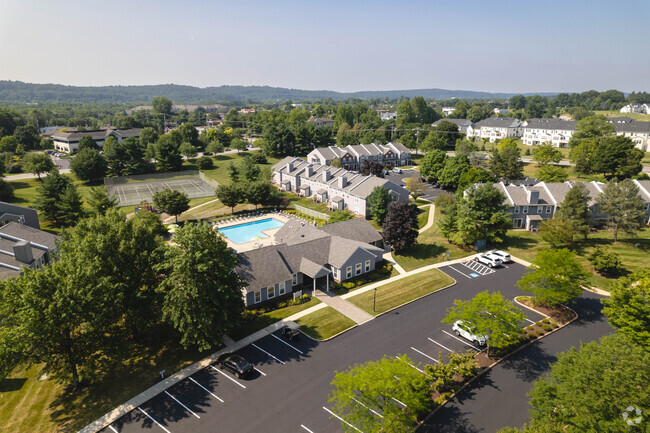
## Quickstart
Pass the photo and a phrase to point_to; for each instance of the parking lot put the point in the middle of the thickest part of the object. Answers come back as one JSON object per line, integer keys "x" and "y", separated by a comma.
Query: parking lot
{"x": 289, "y": 389}
{"x": 399, "y": 179}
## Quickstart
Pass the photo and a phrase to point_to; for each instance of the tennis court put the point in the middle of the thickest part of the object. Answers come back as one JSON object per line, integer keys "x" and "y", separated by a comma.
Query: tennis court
{"x": 136, "y": 192}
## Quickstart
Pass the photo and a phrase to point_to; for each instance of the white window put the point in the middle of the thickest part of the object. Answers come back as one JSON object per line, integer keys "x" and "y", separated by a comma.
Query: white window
{"x": 548, "y": 209}
{"x": 258, "y": 296}
{"x": 270, "y": 292}
{"x": 525, "y": 209}
{"x": 367, "y": 265}
{"x": 516, "y": 209}
{"x": 357, "y": 269}
{"x": 283, "y": 288}
{"x": 348, "y": 272}
{"x": 294, "y": 280}
{"x": 540, "y": 209}
{"x": 517, "y": 223}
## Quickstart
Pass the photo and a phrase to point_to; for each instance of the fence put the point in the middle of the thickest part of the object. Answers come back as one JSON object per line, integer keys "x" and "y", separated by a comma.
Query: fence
{"x": 118, "y": 180}
{"x": 207, "y": 180}
{"x": 310, "y": 212}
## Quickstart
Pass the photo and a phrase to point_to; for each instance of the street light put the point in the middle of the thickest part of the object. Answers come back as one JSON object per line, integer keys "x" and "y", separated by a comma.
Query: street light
{"x": 374, "y": 300}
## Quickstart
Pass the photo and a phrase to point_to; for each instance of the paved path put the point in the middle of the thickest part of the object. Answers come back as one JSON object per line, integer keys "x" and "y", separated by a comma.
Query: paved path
{"x": 389, "y": 258}
{"x": 171, "y": 218}
{"x": 432, "y": 212}
{"x": 31, "y": 175}
{"x": 344, "y": 307}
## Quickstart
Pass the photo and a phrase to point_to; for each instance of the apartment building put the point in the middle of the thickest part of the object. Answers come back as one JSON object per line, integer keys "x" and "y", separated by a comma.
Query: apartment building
{"x": 558, "y": 132}
{"x": 351, "y": 157}
{"x": 496, "y": 128}
{"x": 68, "y": 141}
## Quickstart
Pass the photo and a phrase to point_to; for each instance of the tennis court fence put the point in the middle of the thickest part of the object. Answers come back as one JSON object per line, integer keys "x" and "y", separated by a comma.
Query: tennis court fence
{"x": 147, "y": 177}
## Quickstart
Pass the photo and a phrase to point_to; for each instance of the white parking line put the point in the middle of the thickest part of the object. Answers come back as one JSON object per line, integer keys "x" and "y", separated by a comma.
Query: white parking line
{"x": 152, "y": 419}
{"x": 464, "y": 342}
{"x": 528, "y": 320}
{"x": 259, "y": 371}
{"x": 342, "y": 419}
{"x": 206, "y": 389}
{"x": 256, "y": 346}
{"x": 424, "y": 354}
{"x": 306, "y": 428}
{"x": 113, "y": 428}
{"x": 398, "y": 401}
{"x": 444, "y": 347}
{"x": 371, "y": 410}
{"x": 186, "y": 408}
{"x": 219, "y": 371}
{"x": 421, "y": 371}
{"x": 464, "y": 275}
{"x": 281, "y": 340}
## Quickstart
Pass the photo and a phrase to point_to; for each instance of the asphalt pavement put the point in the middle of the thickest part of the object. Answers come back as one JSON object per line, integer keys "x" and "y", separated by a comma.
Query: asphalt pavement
{"x": 289, "y": 390}
{"x": 400, "y": 179}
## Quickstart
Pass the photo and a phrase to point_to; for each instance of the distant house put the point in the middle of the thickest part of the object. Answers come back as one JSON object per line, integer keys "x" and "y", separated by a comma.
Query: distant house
{"x": 339, "y": 188}
{"x": 501, "y": 111}
{"x": 387, "y": 115}
{"x": 557, "y": 132}
{"x": 19, "y": 214}
{"x": 447, "y": 110}
{"x": 351, "y": 157}
{"x": 636, "y": 108}
{"x": 306, "y": 258}
{"x": 496, "y": 128}
{"x": 638, "y": 132}
{"x": 320, "y": 122}
{"x": 22, "y": 246}
{"x": 178, "y": 107}
{"x": 68, "y": 141}
{"x": 462, "y": 124}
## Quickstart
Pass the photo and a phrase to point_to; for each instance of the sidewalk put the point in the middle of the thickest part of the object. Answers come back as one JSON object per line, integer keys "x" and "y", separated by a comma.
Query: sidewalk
{"x": 432, "y": 212}
{"x": 389, "y": 258}
{"x": 344, "y": 307}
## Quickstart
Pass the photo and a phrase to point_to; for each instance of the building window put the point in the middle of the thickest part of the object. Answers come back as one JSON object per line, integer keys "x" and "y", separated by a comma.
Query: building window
{"x": 548, "y": 209}
{"x": 367, "y": 265}
{"x": 516, "y": 209}
{"x": 258, "y": 296}
{"x": 525, "y": 209}
{"x": 283, "y": 288}
{"x": 270, "y": 292}
{"x": 517, "y": 223}
{"x": 294, "y": 280}
{"x": 539, "y": 209}
{"x": 348, "y": 272}
{"x": 357, "y": 269}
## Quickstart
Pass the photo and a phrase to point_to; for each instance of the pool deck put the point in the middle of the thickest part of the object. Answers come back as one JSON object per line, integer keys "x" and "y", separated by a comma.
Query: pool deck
{"x": 247, "y": 246}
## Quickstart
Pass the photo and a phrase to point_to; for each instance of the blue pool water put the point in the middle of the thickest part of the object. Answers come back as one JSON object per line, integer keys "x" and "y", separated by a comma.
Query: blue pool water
{"x": 242, "y": 233}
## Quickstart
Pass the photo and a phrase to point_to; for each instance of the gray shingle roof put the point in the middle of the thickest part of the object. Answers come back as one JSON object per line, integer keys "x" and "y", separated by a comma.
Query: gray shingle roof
{"x": 638, "y": 127}
{"x": 357, "y": 229}
{"x": 498, "y": 122}
{"x": 554, "y": 124}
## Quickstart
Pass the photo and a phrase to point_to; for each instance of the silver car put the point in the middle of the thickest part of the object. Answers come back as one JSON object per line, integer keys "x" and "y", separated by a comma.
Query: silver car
{"x": 505, "y": 257}
{"x": 465, "y": 330}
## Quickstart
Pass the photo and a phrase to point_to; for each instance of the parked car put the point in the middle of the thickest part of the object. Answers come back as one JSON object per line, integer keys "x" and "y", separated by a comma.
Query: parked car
{"x": 489, "y": 260}
{"x": 235, "y": 364}
{"x": 505, "y": 257}
{"x": 49, "y": 152}
{"x": 397, "y": 170}
{"x": 291, "y": 334}
{"x": 468, "y": 332}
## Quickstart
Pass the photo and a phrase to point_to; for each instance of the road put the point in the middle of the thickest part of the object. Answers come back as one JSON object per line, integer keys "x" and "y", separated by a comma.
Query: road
{"x": 289, "y": 393}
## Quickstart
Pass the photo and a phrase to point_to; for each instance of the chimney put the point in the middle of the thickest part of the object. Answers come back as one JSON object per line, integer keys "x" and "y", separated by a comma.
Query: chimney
{"x": 290, "y": 167}
{"x": 310, "y": 171}
{"x": 532, "y": 196}
{"x": 23, "y": 252}
{"x": 326, "y": 176}
{"x": 342, "y": 182}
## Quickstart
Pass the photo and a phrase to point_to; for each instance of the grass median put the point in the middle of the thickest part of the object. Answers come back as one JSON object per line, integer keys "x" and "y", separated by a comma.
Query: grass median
{"x": 402, "y": 291}
{"x": 324, "y": 323}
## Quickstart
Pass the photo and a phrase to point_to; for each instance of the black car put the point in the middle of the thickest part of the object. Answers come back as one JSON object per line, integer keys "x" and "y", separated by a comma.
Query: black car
{"x": 235, "y": 363}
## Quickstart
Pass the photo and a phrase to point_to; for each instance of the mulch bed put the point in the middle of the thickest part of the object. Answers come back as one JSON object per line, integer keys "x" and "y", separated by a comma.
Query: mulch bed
{"x": 561, "y": 314}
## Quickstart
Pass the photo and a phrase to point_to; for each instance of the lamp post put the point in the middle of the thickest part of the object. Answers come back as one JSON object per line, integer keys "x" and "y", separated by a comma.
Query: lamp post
{"x": 374, "y": 299}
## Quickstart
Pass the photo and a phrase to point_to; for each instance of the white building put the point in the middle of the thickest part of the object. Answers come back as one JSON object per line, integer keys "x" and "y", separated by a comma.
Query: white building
{"x": 340, "y": 188}
{"x": 351, "y": 157}
{"x": 447, "y": 110}
{"x": 69, "y": 141}
{"x": 636, "y": 108}
{"x": 320, "y": 122}
{"x": 638, "y": 132}
{"x": 462, "y": 124}
{"x": 558, "y": 132}
{"x": 496, "y": 128}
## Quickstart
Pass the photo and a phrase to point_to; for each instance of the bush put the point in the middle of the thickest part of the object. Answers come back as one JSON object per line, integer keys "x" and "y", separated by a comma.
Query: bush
{"x": 555, "y": 325}
{"x": 605, "y": 261}
{"x": 359, "y": 282}
{"x": 444, "y": 201}
{"x": 540, "y": 332}
{"x": 259, "y": 158}
{"x": 538, "y": 324}
{"x": 529, "y": 328}
{"x": 348, "y": 285}
{"x": 305, "y": 297}
{"x": 546, "y": 320}
{"x": 204, "y": 163}
{"x": 547, "y": 328}
{"x": 282, "y": 304}
{"x": 527, "y": 152}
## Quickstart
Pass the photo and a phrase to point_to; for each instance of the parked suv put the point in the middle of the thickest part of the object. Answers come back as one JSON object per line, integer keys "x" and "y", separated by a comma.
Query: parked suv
{"x": 505, "y": 257}
{"x": 235, "y": 364}
{"x": 489, "y": 260}
{"x": 465, "y": 330}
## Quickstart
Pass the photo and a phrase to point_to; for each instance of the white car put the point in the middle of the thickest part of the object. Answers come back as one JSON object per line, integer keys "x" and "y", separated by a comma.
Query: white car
{"x": 505, "y": 257}
{"x": 397, "y": 170}
{"x": 489, "y": 259}
{"x": 465, "y": 330}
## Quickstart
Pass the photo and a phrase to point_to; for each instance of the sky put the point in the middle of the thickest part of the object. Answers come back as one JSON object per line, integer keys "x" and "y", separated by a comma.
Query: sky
{"x": 495, "y": 45}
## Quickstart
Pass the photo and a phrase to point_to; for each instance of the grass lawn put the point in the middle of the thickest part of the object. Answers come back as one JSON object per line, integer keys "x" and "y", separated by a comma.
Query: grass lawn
{"x": 429, "y": 249}
{"x": 305, "y": 202}
{"x": 30, "y": 405}
{"x": 616, "y": 113}
{"x": 266, "y": 319}
{"x": 531, "y": 170}
{"x": 402, "y": 291}
{"x": 324, "y": 323}
{"x": 219, "y": 171}
{"x": 423, "y": 217}
{"x": 524, "y": 244}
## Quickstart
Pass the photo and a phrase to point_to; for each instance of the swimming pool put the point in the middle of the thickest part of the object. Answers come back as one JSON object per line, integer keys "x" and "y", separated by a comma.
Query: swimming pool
{"x": 242, "y": 233}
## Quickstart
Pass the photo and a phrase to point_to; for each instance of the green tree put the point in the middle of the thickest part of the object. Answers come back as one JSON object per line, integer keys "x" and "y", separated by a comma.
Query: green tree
{"x": 552, "y": 173}
{"x": 248, "y": 170}
{"x": 87, "y": 142}
{"x": 489, "y": 314}
{"x": 452, "y": 171}
{"x": 628, "y": 307}
{"x": 339, "y": 215}
{"x": 202, "y": 291}
{"x": 401, "y": 225}
{"x": 8, "y": 144}
{"x": 581, "y": 155}
{"x": 507, "y": 163}
{"x": 575, "y": 209}
{"x": 605, "y": 261}
{"x": 99, "y": 201}
{"x": 6, "y": 190}
{"x": 556, "y": 231}
{"x": 148, "y": 136}
{"x": 377, "y": 385}
{"x": 49, "y": 193}
{"x": 27, "y": 136}
{"x": 556, "y": 277}
{"x": 591, "y": 128}
{"x": 616, "y": 156}
{"x": 69, "y": 207}
{"x": 336, "y": 163}
{"x": 378, "y": 202}
{"x": 168, "y": 154}
{"x": 258, "y": 192}
{"x": 171, "y": 202}
{"x": 432, "y": 164}
{"x": 88, "y": 165}
{"x": 214, "y": 147}
{"x": 545, "y": 154}
{"x": 620, "y": 201}
{"x": 239, "y": 144}
{"x": 187, "y": 150}
{"x": 230, "y": 195}
{"x": 415, "y": 186}
{"x": 161, "y": 105}
{"x": 517, "y": 102}
{"x": 204, "y": 163}
{"x": 37, "y": 163}
{"x": 474, "y": 176}
{"x": 433, "y": 141}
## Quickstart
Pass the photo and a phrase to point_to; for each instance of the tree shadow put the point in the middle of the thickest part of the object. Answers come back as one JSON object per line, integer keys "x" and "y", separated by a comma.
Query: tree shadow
{"x": 425, "y": 251}
{"x": 589, "y": 310}
{"x": 530, "y": 363}
{"x": 448, "y": 419}
{"x": 13, "y": 384}
{"x": 519, "y": 242}
{"x": 19, "y": 185}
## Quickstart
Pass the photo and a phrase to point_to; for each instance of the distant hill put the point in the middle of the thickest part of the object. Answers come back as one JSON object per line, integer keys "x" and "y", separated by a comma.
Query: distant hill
{"x": 17, "y": 91}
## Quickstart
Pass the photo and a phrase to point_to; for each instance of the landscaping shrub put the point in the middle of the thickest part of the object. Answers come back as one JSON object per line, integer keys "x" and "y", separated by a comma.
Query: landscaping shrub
{"x": 259, "y": 158}
{"x": 359, "y": 282}
{"x": 546, "y": 320}
{"x": 555, "y": 325}
{"x": 547, "y": 328}
{"x": 540, "y": 332}
{"x": 605, "y": 261}
{"x": 305, "y": 297}
{"x": 529, "y": 328}
{"x": 348, "y": 285}
{"x": 204, "y": 163}
{"x": 538, "y": 324}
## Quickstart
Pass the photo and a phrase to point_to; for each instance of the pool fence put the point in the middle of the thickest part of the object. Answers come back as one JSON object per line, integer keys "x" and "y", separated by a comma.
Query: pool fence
{"x": 311, "y": 212}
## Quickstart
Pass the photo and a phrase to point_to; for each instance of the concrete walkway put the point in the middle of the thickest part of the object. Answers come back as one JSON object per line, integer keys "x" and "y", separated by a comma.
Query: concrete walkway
{"x": 344, "y": 307}
{"x": 171, "y": 218}
{"x": 432, "y": 213}
{"x": 389, "y": 258}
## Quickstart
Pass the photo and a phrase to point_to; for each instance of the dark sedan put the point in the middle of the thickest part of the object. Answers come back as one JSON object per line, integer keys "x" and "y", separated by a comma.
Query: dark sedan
{"x": 236, "y": 364}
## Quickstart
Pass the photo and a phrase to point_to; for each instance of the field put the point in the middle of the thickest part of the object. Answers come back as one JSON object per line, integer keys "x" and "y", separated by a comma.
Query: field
{"x": 616, "y": 113}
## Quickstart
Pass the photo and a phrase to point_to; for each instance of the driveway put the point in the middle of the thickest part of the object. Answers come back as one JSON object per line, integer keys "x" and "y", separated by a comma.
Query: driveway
{"x": 288, "y": 392}
{"x": 400, "y": 179}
